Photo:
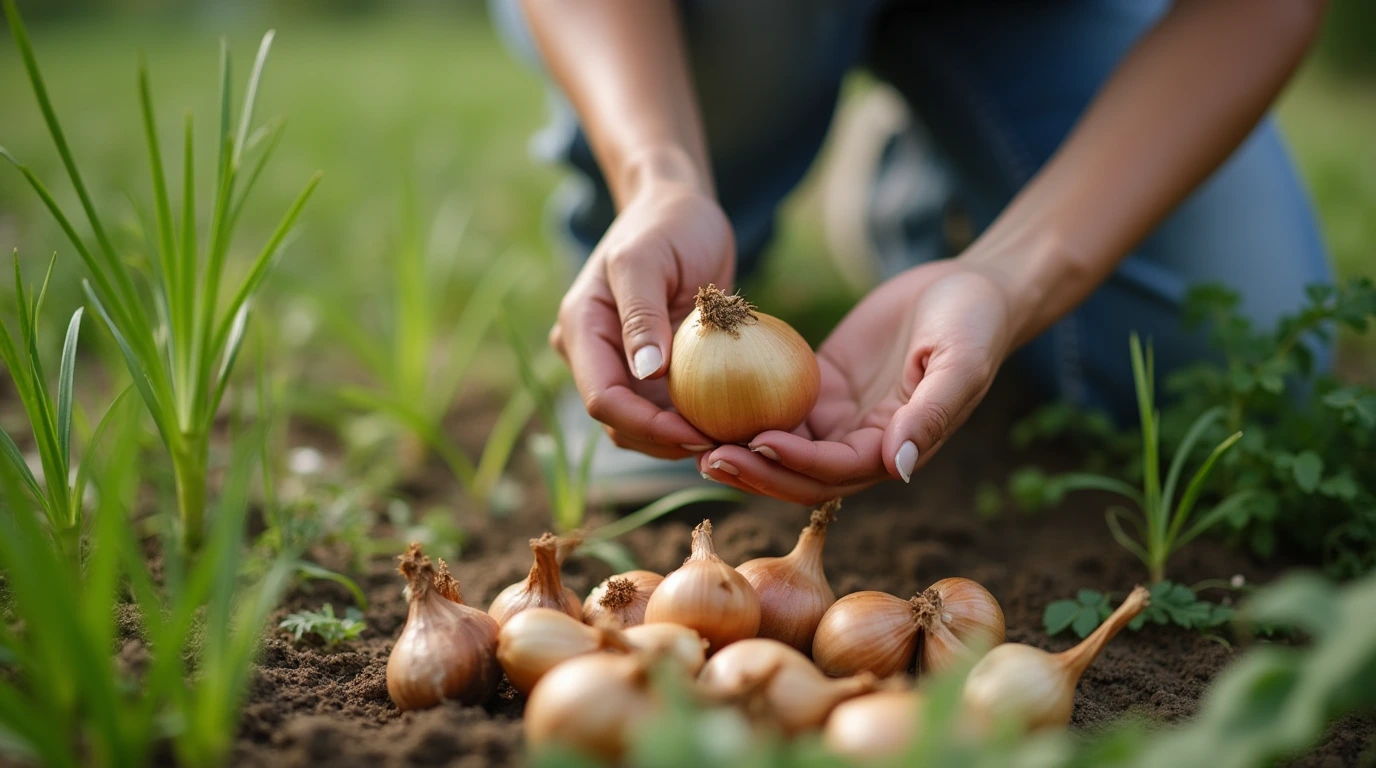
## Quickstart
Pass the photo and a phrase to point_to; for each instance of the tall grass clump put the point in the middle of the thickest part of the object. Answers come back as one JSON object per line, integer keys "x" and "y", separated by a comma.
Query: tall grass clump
{"x": 178, "y": 339}
{"x": 65, "y": 699}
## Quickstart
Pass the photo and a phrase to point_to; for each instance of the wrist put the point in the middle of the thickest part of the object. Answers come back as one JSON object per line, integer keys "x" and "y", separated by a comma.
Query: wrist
{"x": 1041, "y": 279}
{"x": 649, "y": 168}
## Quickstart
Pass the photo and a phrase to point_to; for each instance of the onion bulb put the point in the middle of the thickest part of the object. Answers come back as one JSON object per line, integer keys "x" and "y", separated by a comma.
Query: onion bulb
{"x": 780, "y": 681}
{"x": 868, "y": 632}
{"x": 543, "y": 588}
{"x": 706, "y": 595}
{"x": 621, "y": 599}
{"x": 1035, "y": 689}
{"x": 793, "y": 589}
{"x": 593, "y": 704}
{"x": 445, "y": 651}
{"x": 960, "y": 622}
{"x": 876, "y": 726}
{"x": 536, "y": 640}
{"x": 735, "y": 372}
{"x": 680, "y": 644}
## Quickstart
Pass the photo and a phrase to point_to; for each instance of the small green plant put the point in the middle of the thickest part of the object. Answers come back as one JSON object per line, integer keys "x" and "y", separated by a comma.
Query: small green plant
{"x": 1161, "y": 524}
{"x": 420, "y": 366}
{"x": 1171, "y": 603}
{"x": 325, "y": 625}
{"x": 64, "y": 701}
{"x": 180, "y": 346}
{"x": 62, "y": 491}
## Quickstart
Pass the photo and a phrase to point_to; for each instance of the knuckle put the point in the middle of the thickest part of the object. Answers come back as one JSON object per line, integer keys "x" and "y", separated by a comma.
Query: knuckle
{"x": 938, "y": 420}
{"x": 639, "y": 316}
{"x": 597, "y": 405}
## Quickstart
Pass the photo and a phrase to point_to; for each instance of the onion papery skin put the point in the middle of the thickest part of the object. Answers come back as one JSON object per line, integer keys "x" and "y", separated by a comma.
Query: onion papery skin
{"x": 792, "y": 693}
{"x": 963, "y": 623}
{"x": 679, "y": 643}
{"x": 707, "y": 596}
{"x": 793, "y": 589}
{"x": 447, "y": 650}
{"x": 734, "y": 384}
{"x": 867, "y": 631}
{"x": 536, "y": 640}
{"x": 542, "y": 588}
{"x": 621, "y": 609}
{"x": 876, "y": 726}
{"x": 593, "y": 704}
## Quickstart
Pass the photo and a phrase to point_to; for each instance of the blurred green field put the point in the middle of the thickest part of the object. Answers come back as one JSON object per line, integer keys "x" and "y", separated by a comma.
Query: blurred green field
{"x": 378, "y": 102}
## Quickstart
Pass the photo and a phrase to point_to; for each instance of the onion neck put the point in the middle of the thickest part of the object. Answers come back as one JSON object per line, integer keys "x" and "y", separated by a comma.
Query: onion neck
{"x": 719, "y": 311}
{"x": 544, "y": 576}
{"x": 445, "y": 583}
{"x": 1077, "y": 659}
{"x": 419, "y": 573}
{"x": 807, "y": 553}
{"x": 927, "y": 608}
{"x": 619, "y": 593}
{"x": 703, "y": 548}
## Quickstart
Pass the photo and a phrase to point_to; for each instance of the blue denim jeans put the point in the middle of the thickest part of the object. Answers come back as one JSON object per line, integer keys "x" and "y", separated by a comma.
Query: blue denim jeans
{"x": 997, "y": 86}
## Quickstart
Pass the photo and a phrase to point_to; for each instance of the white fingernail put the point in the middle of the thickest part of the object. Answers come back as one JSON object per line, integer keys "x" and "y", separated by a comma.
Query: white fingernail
{"x": 767, "y": 452}
{"x": 647, "y": 361}
{"x": 906, "y": 459}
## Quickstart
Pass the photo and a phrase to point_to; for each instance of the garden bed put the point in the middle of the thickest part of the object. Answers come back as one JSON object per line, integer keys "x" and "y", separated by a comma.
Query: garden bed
{"x": 307, "y": 706}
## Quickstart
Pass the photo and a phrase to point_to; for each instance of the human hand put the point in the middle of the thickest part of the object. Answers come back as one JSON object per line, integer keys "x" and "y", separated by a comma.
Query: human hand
{"x": 900, "y": 374}
{"x": 616, "y": 323}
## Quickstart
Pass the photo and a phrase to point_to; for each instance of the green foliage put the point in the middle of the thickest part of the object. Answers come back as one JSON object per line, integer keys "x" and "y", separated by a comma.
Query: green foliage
{"x": 65, "y": 700}
{"x": 420, "y": 365}
{"x": 1171, "y": 603}
{"x": 178, "y": 345}
{"x": 324, "y": 624}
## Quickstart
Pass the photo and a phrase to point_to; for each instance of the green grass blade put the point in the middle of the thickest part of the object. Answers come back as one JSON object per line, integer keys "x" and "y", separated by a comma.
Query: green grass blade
{"x": 251, "y": 94}
{"x": 32, "y": 731}
{"x": 1111, "y": 516}
{"x": 65, "y": 387}
{"x": 226, "y": 77}
{"x": 21, "y": 467}
{"x": 182, "y": 291}
{"x": 21, "y": 39}
{"x": 578, "y": 488}
{"x": 558, "y": 476}
{"x": 274, "y": 135}
{"x": 313, "y": 571}
{"x": 1186, "y": 447}
{"x": 1142, "y": 371}
{"x": 231, "y": 353}
{"x": 501, "y": 442}
{"x": 486, "y": 300}
{"x": 1214, "y": 516}
{"x": 98, "y": 273}
{"x": 162, "y": 204}
{"x": 171, "y": 436}
{"x": 1196, "y": 487}
{"x": 1084, "y": 481}
{"x": 84, "y": 466}
{"x": 661, "y": 507}
{"x": 262, "y": 264}
{"x": 203, "y": 352}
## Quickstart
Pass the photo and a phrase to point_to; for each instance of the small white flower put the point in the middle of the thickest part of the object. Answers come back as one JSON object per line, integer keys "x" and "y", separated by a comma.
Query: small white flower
{"x": 1238, "y": 581}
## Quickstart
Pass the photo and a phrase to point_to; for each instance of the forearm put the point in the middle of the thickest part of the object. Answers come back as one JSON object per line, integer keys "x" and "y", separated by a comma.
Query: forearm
{"x": 1179, "y": 104}
{"x": 622, "y": 65}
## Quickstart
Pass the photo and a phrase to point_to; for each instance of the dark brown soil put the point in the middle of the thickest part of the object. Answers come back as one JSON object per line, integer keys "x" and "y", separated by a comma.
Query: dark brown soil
{"x": 310, "y": 707}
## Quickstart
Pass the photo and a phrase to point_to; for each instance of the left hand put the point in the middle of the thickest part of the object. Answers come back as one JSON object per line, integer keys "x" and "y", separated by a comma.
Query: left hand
{"x": 900, "y": 374}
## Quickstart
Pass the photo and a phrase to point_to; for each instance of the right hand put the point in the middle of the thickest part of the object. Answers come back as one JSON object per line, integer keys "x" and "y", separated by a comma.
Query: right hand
{"x": 617, "y": 321}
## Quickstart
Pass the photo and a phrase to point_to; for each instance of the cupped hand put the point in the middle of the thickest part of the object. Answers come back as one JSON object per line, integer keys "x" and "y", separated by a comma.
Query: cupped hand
{"x": 616, "y": 322}
{"x": 900, "y": 374}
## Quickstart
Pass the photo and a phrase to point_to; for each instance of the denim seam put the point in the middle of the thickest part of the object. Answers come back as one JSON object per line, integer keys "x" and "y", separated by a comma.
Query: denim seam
{"x": 1015, "y": 160}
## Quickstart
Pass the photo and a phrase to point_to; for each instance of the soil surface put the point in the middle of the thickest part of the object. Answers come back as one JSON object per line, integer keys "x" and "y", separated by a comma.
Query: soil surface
{"x": 311, "y": 707}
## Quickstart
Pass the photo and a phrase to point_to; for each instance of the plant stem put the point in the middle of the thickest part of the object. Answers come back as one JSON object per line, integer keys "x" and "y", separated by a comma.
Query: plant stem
{"x": 188, "y": 469}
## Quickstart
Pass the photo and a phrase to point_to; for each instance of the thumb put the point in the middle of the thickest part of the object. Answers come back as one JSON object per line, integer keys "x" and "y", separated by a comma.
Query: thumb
{"x": 642, "y": 303}
{"x": 940, "y": 403}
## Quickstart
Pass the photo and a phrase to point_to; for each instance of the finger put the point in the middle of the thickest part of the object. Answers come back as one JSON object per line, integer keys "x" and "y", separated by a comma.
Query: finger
{"x": 556, "y": 341}
{"x": 621, "y": 440}
{"x": 857, "y": 455}
{"x": 641, "y": 292}
{"x": 740, "y": 467}
{"x": 940, "y": 403}
{"x": 592, "y": 339}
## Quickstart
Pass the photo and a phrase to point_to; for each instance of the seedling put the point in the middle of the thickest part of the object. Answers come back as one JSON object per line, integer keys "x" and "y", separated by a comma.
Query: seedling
{"x": 180, "y": 346}
{"x": 1171, "y": 603}
{"x": 325, "y": 625}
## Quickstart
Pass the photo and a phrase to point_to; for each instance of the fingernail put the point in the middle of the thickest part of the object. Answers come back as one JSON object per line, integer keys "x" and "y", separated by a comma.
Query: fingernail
{"x": 647, "y": 361}
{"x": 906, "y": 459}
{"x": 694, "y": 448}
{"x": 767, "y": 452}
{"x": 706, "y": 476}
{"x": 722, "y": 466}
